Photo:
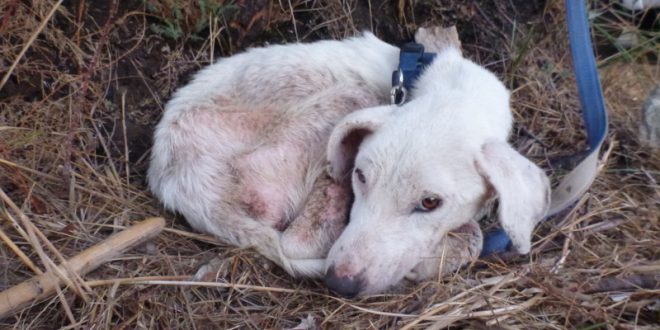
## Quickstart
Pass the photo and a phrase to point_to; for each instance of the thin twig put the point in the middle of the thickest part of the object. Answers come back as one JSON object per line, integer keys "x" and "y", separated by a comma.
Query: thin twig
{"x": 75, "y": 117}
{"x": 25, "y": 259}
{"x": 29, "y": 43}
{"x": 293, "y": 21}
{"x": 34, "y": 232}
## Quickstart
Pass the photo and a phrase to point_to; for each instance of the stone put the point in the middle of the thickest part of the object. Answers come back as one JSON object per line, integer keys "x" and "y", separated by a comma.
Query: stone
{"x": 649, "y": 128}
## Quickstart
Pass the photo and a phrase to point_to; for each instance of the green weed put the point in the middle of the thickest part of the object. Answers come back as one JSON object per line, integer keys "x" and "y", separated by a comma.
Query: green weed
{"x": 186, "y": 18}
{"x": 620, "y": 35}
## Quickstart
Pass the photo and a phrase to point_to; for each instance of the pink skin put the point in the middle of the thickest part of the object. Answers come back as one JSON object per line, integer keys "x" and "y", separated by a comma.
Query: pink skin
{"x": 269, "y": 177}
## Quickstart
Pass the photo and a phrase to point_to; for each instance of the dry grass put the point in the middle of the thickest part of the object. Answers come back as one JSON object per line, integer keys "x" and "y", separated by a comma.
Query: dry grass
{"x": 85, "y": 84}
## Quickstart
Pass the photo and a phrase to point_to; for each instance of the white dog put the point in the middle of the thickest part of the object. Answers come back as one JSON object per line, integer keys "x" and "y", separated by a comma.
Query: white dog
{"x": 269, "y": 149}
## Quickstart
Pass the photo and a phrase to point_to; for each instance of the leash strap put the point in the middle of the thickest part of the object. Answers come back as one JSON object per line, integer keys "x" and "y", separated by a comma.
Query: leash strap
{"x": 412, "y": 62}
{"x": 576, "y": 182}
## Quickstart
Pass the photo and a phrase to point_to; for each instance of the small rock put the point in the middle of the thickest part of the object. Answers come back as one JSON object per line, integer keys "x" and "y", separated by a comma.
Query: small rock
{"x": 151, "y": 248}
{"x": 649, "y": 128}
{"x": 307, "y": 323}
{"x": 640, "y": 4}
{"x": 629, "y": 38}
{"x": 214, "y": 269}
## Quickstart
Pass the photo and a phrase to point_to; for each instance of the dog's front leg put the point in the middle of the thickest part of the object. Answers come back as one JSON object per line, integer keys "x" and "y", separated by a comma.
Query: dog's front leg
{"x": 323, "y": 218}
{"x": 278, "y": 175}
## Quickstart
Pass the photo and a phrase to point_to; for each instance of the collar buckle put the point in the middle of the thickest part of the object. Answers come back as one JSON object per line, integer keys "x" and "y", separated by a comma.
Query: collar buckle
{"x": 399, "y": 92}
{"x": 412, "y": 61}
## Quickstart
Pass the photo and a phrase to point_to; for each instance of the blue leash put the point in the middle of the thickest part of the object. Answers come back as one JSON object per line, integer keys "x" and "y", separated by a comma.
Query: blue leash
{"x": 591, "y": 99}
{"x": 413, "y": 60}
{"x": 586, "y": 73}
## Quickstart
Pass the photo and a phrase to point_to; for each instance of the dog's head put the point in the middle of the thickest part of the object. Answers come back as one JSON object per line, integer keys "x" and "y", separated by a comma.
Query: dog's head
{"x": 416, "y": 175}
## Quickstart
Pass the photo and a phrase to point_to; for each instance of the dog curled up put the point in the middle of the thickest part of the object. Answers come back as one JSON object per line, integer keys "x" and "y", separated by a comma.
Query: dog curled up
{"x": 294, "y": 150}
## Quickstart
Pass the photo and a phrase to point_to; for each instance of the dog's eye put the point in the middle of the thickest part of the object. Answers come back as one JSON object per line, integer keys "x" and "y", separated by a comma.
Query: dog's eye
{"x": 360, "y": 175}
{"x": 428, "y": 204}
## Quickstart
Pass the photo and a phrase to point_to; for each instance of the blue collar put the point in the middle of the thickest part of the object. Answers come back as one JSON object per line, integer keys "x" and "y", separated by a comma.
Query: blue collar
{"x": 412, "y": 62}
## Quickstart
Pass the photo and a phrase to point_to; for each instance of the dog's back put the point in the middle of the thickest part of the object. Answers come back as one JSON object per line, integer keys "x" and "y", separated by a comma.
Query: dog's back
{"x": 239, "y": 148}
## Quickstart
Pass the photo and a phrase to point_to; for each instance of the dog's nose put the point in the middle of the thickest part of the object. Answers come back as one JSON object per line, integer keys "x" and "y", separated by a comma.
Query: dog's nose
{"x": 347, "y": 286}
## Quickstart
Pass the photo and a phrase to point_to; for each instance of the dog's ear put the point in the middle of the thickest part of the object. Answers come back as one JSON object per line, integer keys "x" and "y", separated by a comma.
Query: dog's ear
{"x": 347, "y": 136}
{"x": 522, "y": 187}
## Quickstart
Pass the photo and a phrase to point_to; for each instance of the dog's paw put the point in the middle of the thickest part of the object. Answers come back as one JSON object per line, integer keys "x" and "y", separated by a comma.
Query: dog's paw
{"x": 460, "y": 247}
{"x": 467, "y": 240}
{"x": 436, "y": 39}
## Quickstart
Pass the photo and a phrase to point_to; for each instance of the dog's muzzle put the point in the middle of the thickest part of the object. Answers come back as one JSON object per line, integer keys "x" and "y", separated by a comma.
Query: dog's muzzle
{"x": 347, "y": 286}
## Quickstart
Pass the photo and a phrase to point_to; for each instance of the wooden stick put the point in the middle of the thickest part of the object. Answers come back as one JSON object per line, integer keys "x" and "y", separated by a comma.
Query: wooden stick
{"x": 73, "y": 281}
{"x": 42, "y": 286}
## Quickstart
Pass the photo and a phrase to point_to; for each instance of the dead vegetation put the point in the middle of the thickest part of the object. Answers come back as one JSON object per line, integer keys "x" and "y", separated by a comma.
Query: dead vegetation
{"x": 83, "y": 83}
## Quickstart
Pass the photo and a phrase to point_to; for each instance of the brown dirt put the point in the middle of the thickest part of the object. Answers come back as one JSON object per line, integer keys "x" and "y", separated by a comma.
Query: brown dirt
{"x": 78, "y": 174}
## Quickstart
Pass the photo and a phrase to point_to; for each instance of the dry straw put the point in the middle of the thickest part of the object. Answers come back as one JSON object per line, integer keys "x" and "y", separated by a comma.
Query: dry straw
{"x": 83, "y": 83}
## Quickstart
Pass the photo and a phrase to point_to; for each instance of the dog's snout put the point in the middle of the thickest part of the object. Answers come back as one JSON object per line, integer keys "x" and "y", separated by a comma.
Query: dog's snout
{"x": 346, "y": 285}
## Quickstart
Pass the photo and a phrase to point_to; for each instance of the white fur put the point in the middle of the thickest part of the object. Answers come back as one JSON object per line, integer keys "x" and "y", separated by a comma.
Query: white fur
{"x": 254, "y": 128}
